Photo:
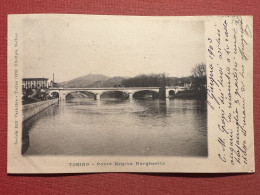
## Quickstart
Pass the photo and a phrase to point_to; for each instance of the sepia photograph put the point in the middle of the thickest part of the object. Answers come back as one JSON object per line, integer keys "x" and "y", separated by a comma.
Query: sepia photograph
{"x": 101, "y": 86}
{"x": 93, "y": 93}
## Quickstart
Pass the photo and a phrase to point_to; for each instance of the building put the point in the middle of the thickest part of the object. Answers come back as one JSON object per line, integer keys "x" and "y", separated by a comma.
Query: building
{"x": 36, "y": 83}
{"x": 53, "y": 84}
{"x": 187, "y": 84}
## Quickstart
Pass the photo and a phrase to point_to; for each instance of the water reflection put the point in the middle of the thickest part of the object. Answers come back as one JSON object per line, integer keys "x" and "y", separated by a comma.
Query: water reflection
{"x": 118, "y": 127}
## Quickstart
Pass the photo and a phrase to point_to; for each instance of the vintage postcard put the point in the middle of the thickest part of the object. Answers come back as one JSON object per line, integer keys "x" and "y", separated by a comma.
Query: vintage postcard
{"x": 92, "y": 93}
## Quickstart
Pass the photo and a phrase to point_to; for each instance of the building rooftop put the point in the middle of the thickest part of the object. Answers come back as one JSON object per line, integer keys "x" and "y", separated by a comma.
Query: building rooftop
{"x": 35, "y": 79}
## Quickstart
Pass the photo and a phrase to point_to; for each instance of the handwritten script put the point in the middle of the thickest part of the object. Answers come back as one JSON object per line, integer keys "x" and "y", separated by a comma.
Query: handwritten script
{"x": 228, "y": 48}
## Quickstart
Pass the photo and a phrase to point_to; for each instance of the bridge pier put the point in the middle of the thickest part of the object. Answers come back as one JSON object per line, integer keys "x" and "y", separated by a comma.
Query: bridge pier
{"x": 167, "y": 93}
{"x": 97, "y": 96}
{"x": 62, "y": 96}
{"x": 130, "y": 95}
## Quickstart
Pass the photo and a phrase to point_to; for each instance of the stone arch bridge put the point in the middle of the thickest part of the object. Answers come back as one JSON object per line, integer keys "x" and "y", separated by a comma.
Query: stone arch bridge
{"x": 63, "y": 92}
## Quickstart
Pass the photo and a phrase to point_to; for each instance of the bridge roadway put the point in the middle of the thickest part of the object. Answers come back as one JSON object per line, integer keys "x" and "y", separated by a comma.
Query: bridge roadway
{"x": 63, "y": 92}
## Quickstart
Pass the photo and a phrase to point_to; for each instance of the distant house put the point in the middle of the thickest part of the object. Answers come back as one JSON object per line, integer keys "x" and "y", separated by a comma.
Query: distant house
{"x": 53, "y": 84}
{"x": 36, "y": 83}
{"x": 187, "y": 84}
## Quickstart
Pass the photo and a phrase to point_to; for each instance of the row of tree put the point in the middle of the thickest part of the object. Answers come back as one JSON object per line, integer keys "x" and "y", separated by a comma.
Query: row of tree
{"x": 197, "y": 78}
{"x": 144, "y": 80}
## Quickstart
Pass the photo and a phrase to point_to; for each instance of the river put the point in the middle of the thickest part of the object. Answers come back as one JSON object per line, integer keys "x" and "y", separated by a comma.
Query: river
{"x": 148, "y": 127}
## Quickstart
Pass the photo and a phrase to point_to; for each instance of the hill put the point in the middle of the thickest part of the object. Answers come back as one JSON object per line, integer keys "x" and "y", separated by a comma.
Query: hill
{"x": 99, "y": 81}
{"x": 84, "y": 81}
{"x": 112, "y": 82}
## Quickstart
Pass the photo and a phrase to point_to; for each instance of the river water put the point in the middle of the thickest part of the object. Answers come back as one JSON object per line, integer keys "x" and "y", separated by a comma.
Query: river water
{"x": 172, "y": 127}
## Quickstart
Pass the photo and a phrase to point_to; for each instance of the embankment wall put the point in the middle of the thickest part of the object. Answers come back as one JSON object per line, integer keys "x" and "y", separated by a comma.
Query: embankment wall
{"x": 30, "y": 110}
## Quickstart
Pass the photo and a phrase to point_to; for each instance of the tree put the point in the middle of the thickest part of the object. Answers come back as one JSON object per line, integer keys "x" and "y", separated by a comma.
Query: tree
{"x": 199, "y": 80}
{"x": 199, "y": 70}
{"x": 147, "y": 80}
{"x": 28, "y": 92}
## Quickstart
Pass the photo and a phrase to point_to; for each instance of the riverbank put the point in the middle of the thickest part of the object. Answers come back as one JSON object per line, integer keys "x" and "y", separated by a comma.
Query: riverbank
{"x": 30, "y": 110}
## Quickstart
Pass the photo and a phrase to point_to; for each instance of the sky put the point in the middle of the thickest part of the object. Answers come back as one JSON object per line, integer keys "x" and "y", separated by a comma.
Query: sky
{"x": 76, "y": 45}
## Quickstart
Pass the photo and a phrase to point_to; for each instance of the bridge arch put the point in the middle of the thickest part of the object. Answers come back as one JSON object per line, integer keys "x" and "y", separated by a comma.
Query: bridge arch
{"x": 120, "y": 93}
{"x": 172, "y": 92}
{"x": 54, "y": 93}
{"x": 146, "y": 93}
{"x": 69, "y": 94}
